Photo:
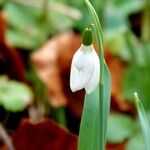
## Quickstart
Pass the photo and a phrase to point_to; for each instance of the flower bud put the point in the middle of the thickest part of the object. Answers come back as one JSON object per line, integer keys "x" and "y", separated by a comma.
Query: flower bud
{"x": 87, "y": 37}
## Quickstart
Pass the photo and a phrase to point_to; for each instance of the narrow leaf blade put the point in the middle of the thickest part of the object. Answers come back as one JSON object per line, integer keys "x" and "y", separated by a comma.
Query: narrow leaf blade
{"x": 144, "y": 121}
{"x": 89, "y": 137}
{"x": 107, "y": 97}
{"x": 89, "y": 128}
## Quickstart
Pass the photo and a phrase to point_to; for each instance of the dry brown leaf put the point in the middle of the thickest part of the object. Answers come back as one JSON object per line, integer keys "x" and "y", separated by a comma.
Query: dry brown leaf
{"x": 10, "y": 61}
{"x": 52, "y": 63}
{"x": 120, "y": 146}
{"x": 117, "y": 70}
{"x": 45, "y": 135}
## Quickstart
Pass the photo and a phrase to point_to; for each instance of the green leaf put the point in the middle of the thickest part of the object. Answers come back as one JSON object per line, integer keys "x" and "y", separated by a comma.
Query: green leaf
{"x": 115, "y": 41}
{"x": 22, "y": 39}
{"x": 120, "y": 128}
{"x": 2, "y": 2}
{"x": 144, "y": 121}
{"x": 89, "y": 137}
{"x": 136, "y": 143}
{"x": 137, "y": 79}
{"x": 25, "y": 27}
{"x": 56, "y": 21}
{"x": 129, "y": 85}
{"x": 127, "y": 7}
{"x": 106, "y": 98}
{"x": 114, "y": 21}
{"x": 146, "y": 53}
{"x": 135, "y": 49}
{"x": 21, "y": 17}
{"x": 89, "y": 127}
{"x": 137, "y": 75}
{"x": 14, "y": 96}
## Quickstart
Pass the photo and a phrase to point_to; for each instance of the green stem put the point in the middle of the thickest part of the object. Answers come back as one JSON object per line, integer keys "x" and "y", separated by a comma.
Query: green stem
{"x": 59, "y": 115}
{"x": 45, "y": 10}
{"x": 99, "y": 38}
{"x": 146, "y": 22}
{"x": 131, "y": 47}
{"x": 100, "y": 5}
{"x": 101, "y": 85}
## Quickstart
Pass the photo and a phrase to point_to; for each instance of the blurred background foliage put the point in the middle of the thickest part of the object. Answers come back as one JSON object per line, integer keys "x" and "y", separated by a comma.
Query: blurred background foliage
{"x": 126, "y": 30}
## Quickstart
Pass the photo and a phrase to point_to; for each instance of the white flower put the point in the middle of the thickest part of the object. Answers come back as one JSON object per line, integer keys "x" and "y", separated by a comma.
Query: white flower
{"x": 85, "y": 69}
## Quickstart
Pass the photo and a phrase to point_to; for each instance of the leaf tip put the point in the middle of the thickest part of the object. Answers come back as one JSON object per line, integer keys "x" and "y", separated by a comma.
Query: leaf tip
{"x": 86, "y": 1}
{"x": 135, "y": 95}
{"x": 136, "y": 98}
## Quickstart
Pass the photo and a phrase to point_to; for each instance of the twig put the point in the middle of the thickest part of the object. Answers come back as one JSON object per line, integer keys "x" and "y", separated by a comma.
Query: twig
{"x": 5, "y": 138}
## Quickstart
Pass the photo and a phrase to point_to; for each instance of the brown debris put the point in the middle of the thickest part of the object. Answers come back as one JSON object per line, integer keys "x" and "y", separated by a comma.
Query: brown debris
{"x": 117, "y": 70}
{"x": 119, "y": 146}
{"x": 10, "y": 60}
{"x": 45, "y": 135}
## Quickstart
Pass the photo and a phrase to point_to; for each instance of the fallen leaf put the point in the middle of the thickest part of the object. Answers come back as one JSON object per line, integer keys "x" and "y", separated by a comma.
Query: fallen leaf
{"x": 10, "y": 60}
{"x": 120, "y": 146}
{"x": 45, "y": 135}
{"x": 52, "y": 63}
{"x": 117, "y": 69}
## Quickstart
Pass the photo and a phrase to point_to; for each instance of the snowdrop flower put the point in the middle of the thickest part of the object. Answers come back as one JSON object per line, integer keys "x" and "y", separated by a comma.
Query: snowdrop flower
{"x": 85, "y": 68}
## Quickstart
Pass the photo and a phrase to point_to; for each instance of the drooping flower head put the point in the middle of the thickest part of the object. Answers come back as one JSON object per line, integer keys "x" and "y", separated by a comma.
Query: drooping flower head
{"x": 85, "y": 67}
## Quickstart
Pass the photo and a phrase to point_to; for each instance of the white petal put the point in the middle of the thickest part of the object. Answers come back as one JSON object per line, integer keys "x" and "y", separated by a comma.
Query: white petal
{"x": 82, "y": 68}
{"x": 93, "y": 83}
{"x": 74, "y": 78}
